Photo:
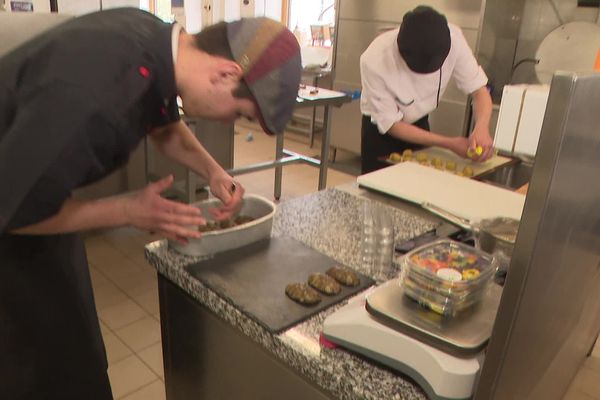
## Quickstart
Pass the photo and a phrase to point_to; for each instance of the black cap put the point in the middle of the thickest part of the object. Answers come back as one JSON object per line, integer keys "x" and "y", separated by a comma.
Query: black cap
{"x": 424, "y": 39}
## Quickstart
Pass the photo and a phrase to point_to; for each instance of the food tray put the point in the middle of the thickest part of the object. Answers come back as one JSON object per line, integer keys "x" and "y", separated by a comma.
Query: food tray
{"x": 458, "y": 168}
{"x": 212, "y": 242}
{"x": 446, "y": 160}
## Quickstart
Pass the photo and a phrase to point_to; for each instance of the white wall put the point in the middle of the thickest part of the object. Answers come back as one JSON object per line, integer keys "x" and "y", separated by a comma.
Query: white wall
{"x": 41, "y": 6}
{"x": 235, "y": 9}
{"x": 193, "y": 15}
{"x": 106, "y": 4}
{"x": 80, "y": 7}
{"x": 200, "y": 13}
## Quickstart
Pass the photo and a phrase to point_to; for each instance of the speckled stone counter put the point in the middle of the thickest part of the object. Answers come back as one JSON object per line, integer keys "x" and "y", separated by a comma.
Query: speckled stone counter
{"x": 330, "y": 222}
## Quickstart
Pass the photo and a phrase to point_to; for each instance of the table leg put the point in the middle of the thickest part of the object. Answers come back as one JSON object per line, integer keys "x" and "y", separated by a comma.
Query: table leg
{"x": 314, "y": 115}
{"x": 278, "y": 168}
{"x": 312, "y": 127}
{"x": 325, "y": 149}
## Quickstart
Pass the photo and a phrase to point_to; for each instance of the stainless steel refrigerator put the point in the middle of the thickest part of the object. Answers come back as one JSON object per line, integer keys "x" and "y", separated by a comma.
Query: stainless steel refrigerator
{"x": 549, "y": 315}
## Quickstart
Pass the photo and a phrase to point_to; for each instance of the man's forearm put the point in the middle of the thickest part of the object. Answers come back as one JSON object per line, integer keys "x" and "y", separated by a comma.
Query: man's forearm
{"x": 482, "y": 107}
{"x": 179, "y": 143}
{"x": 77, "y": 216}
{"x": 414, "y": 134}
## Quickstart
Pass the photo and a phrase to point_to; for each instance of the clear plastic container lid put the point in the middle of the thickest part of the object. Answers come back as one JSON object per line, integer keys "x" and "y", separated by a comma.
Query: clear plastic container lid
{"x": 450, "y": 267}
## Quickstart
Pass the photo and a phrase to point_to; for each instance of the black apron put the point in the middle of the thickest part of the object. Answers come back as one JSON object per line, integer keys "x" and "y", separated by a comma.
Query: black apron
{"x": 74, "y": 103}
{"x": 50, "y": 344}
{"x": 375, "y": 146}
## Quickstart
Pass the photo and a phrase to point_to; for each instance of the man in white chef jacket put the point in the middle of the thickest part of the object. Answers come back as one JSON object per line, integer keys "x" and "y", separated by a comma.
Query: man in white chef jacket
{"x": 404, "y": 72}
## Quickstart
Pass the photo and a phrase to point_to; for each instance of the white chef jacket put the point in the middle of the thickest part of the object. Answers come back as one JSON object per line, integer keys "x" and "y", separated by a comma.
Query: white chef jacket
{"x": 391, "y": 92}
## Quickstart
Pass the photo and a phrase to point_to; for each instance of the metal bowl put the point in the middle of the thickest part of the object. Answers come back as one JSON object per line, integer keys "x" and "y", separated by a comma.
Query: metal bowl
{"x": 497, "y": 234}
{"x": 257, "y": 207}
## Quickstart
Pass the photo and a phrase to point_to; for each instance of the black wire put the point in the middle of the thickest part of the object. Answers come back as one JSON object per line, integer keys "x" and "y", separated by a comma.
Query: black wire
{"x": 529, "y": 60}
{"x": 514, "y": 67}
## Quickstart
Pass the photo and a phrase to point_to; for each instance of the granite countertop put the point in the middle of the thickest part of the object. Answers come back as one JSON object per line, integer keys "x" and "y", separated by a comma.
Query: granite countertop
{"x": 326, "y": 221}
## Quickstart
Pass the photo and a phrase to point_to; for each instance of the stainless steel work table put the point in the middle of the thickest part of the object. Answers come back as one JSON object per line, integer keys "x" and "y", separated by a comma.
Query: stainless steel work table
{"x": 324, "y": 98}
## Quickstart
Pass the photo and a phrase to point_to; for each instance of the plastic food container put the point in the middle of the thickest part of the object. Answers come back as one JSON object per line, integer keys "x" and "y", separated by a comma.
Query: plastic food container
{"x": 447, "y": 276}
{"x": 212, "y": 242}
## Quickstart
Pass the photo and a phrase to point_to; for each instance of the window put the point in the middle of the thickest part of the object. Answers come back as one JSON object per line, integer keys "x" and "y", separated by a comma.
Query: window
{"x": 313, "y": 24}
{"x": 312, "y": 21}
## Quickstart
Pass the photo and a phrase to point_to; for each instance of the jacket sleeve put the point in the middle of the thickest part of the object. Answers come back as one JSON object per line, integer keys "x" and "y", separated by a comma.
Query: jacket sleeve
{"x": 468, "y": 74}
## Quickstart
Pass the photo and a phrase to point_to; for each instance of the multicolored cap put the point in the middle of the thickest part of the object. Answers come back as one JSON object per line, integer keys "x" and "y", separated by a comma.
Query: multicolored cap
{"x": 269, "y": 55}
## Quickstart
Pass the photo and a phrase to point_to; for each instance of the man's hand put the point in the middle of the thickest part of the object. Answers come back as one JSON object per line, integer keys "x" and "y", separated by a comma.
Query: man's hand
{"x": 147, "y": 210}
{"x": 230, "y": 192}
{"x": 480, "y": 144}
{"x": 179, "y": 143}
{"x": 458, "y": 144}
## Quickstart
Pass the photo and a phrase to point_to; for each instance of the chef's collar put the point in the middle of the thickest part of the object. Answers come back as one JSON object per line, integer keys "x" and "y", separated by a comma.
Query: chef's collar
{"x": 163, "y": 48}
{"x": 175, "y": 40}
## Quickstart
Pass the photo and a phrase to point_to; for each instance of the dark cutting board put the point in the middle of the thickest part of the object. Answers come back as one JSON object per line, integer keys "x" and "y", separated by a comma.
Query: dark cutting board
{"x": 254, "y": 277}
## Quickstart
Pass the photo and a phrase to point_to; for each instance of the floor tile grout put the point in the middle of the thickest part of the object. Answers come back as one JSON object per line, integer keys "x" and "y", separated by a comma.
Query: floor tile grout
{"x": 134, "y": 391}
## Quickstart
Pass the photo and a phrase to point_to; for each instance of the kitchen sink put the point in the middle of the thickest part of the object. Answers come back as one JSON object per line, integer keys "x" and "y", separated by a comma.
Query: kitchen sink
{"x": 511, "y": 176}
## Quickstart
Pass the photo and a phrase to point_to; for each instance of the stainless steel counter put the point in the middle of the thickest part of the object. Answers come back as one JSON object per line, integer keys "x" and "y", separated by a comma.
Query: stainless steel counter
{"x": 285, "y": 157}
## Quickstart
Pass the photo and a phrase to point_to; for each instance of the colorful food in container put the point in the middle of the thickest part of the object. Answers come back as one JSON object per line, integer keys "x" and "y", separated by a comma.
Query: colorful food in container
{"x": 447, "y": 276}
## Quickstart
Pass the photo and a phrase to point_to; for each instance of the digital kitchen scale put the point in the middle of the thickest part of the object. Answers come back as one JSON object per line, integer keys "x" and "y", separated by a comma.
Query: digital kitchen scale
{"x": 444, "y": 356}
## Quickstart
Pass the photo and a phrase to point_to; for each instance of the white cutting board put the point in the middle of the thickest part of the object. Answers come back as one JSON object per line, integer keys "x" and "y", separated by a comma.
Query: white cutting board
{"x": 463, "y": 197}
{"x": 532, "y": 117}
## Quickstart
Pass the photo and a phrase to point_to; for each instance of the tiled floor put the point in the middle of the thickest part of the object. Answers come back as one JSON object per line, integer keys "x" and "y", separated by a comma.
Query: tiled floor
{"x": 127, "y": 300}
{"x": 126, "y": 290}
